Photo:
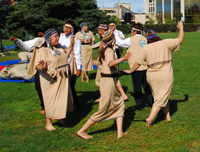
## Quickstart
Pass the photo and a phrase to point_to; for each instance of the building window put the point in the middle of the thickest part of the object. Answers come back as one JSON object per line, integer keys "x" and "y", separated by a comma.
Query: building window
{"x": 110, "y": 11}
{"x": 147, "y": 16}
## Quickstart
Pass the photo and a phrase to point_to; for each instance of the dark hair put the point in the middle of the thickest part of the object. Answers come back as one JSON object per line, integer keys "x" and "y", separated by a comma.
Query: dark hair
{"x": 71, "y": 22}
{"x": 153, "y": 39}
{"x": 102, "y": 51}
{"x": 112, "y": 22}
{"x": 138, "y": 26}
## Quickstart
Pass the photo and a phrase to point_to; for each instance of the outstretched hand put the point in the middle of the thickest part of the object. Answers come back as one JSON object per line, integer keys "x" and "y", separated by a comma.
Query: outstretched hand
{"x": 13, "y": 39}
{"x": 94, "y": 62}
{"x": 180, "y": 25}
{"x": 127, "y": 55}
{"x": 127, "y": 71}
{"x": 41, "y": 34}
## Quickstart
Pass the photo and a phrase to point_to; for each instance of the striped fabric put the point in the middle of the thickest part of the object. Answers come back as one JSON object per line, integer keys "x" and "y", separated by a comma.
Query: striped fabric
{"x": 108, "y": 37}
{"x": 48, "y": 33}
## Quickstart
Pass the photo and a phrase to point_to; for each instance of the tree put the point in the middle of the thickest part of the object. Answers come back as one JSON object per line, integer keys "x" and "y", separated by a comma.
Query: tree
{"x": 90, "y": 13}
{"x": 159, "y": 18}
{"x": 3, "y": 11}
{"x": 168, "y": 19}
{"x": 116, "y": 20}
{"x": 177, "y": 17}
{"x": 39, "y": 15}
{"x": 196, "y": 18}
{"x": 152, "y": 19}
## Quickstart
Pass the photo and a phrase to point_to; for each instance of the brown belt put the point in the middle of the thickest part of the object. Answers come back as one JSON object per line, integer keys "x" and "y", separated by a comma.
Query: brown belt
{"x": 157, "y": 63}
{"x": 85, "y": 43}
{"x": 110, "y": 75}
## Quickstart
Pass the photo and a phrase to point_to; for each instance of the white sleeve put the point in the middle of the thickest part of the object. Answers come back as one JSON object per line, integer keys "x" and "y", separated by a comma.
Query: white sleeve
{"x": 122, "y": 35}
{"x": 26, "y": 45}
{"x": 123, "y": 43}
{"x": 77, "y": 54}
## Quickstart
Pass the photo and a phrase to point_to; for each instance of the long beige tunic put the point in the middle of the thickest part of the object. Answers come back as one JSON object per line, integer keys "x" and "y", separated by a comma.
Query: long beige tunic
{"x": 159, "y": 73}
{"x": 111, "y": 104}
{"x": 55, "y": 96}
{"x": 86, "y": 52}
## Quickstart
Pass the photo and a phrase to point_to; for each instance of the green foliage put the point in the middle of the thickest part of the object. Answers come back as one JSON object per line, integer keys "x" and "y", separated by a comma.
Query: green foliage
{"x": 115, "y": 19}
{"x": 125, "y": 28}
{"x": 159, "y": 18}
{"x": 22, "y": 127}
{"x": 90, "y": 13}
{"x": 168, "y": 19}
{"x": 152, "y": 19}
{"x": 36, "y": 16}
{"x": 196, "y": 18}
{"x": 177, "y": 18}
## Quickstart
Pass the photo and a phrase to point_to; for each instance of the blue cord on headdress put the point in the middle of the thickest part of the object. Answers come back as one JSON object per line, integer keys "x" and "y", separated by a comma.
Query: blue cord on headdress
{"x": 82, "y": 24}
{"x": 154, "y": 35}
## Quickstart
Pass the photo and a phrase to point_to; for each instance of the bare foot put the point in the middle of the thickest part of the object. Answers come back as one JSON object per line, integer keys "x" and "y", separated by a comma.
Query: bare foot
{"x": 169, "y": 119}
{"x": 42, "y": 112}
{"x": 82, "y": 79}
{"x": 87, "y": 79}
{"x": 84, "y": 135}
{"x": 98, "y": 100}
{"x": 50, "y": 128}
{"x": 123, "y": 134}
{"x": 125, "y": 97}
{"x": 148, "y": 122}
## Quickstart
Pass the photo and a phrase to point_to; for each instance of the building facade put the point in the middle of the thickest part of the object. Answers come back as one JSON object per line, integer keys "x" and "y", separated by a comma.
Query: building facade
{"x": 120, "y": 9}
{"x": 188, "y": 8}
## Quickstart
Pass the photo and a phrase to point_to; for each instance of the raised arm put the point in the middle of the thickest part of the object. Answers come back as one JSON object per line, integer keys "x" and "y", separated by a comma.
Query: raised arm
{"x": 117, "y": 61}
{"x": 26, "y": 45}
{"x": 181, "y": 32}
{"x": 126, "y": 43}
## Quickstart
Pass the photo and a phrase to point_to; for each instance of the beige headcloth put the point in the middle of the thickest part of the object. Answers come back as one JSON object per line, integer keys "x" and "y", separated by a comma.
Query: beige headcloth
{"x": 136, "y": 29}
{"x": 68, "y": 25}
{"x": 112, "y": 24}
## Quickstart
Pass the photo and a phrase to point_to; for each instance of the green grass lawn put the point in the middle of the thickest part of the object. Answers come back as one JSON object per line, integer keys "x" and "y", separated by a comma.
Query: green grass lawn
{"x": 22, "y": 127}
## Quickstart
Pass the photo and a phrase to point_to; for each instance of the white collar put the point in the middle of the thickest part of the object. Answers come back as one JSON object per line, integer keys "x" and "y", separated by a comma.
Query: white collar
{"x": 68, "y": 36}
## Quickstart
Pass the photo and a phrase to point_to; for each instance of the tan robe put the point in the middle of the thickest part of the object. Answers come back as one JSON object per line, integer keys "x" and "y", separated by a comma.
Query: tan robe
{"x": 159, "y": 73}
{"x": 56, "y": 100}
{"x": 98, "y": 78}
{"x": 111, "y": 105}
{"x": 86, "y": 52}
{"x": 137, "y": 42}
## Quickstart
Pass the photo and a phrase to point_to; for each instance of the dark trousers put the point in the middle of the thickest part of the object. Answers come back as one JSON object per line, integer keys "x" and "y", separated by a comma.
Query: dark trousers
{"x": 38, "y": 88}
{"x": 72, "y": 82}
{"x": 118, "y": 53}
{"x": 139, "y": 80}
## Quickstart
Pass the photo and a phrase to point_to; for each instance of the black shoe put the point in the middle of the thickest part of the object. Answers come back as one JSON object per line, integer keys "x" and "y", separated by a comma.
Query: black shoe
{"x": 140, "y": 108}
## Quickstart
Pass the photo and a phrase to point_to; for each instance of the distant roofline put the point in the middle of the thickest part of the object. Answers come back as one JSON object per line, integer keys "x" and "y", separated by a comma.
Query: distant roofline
{"x": 127, "y": 9}
{"x": 123, "y": 3}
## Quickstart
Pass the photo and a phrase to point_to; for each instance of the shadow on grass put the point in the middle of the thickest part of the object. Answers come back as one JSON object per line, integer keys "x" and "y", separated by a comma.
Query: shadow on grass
{"x": 172, "y": 109}
{"x": 73, "y": 118}
{"x": 129, "y": 117}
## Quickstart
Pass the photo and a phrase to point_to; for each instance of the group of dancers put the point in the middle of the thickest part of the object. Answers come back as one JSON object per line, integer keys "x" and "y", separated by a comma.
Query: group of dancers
{"x": 57, "y": 60}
